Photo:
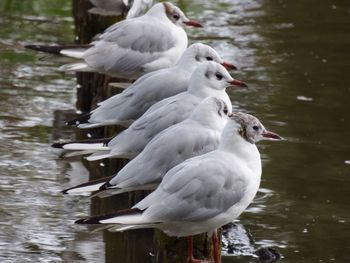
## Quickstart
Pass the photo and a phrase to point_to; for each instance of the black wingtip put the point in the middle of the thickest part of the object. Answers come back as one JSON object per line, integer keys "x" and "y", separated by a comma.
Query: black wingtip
{"x": 55, "y": 49}
{"x": 58, "y": 145}
{"x": 101, "y": 180}
{"x": 84, "y": 118}
{"x": 34, "y": 47}
{"x": 105, "y": 186}
{"x": 45, "y": 48}
{"x": 88, "y": 221}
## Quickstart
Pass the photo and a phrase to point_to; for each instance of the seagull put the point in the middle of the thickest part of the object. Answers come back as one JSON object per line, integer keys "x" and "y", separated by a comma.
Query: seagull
{"x": 119, "y": 7}
{"x": 133, "y": 47}
{"x": 204, "y": 192}
{"x": 200, "y": 133}
{"x": 124, "y": 108}
{"x": 209, "y": 80}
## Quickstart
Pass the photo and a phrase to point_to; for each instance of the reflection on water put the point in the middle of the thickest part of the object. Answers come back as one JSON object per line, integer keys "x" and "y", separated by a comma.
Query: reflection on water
{"x": 293, "y": 54}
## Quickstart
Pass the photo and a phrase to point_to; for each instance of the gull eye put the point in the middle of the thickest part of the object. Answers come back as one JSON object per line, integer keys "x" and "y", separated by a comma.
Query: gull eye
{"x": 256, "y": 128}
{"x": 225, "y": 111}
{"x": 176, "y": 17}
{"x": 209, "y": 58}
{"x": 218, "y": 76}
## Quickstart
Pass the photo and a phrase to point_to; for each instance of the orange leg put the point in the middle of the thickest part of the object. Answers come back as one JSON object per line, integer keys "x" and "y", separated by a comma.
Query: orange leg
{"x": 190, "y": 258}
{"x": 216, "y": 252}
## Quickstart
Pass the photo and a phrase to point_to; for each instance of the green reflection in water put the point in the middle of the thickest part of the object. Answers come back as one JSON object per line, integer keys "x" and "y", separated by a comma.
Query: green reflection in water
{"x": 295, "y": 57}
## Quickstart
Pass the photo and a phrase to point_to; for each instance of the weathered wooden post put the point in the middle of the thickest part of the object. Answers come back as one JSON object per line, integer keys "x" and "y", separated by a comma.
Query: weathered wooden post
{"x": 134, "y": 246}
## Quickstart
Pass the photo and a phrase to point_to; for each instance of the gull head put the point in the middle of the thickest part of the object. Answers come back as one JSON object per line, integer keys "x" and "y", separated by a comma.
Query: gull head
{"x": 251, "y": 129}
{"x": 198, "y": 53}
{"x": 212, "y": 111}
{"x": 213, "y": 75}
{"x": 176, "y": 16}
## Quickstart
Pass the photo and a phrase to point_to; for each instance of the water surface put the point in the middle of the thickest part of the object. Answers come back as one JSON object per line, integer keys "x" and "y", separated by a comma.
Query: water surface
{"x": 295, "y": 57}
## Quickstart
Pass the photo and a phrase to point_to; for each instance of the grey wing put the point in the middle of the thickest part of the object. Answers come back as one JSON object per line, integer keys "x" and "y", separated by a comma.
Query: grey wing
{"x": 163, "y": 114}
{"x": 196, "y": 190}
{"x": 119, "y": 51}
{"x": 115, "y": 110}
{"x": 165, "y": 151}
{"x": 126, "y": 107}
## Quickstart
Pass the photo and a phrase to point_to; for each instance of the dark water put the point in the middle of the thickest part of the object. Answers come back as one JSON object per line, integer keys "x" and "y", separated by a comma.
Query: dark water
{"x": 295, "y": 57}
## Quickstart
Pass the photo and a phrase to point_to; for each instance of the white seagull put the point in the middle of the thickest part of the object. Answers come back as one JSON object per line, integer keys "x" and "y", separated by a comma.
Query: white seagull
{"x": 119, "y": 7}
{"x": 204, "y": 192}
{"x": 208, "y": 80}
{"x": 133, "y": 47}
{"x": 199, "y": 134}
{"x": 126, "y": 107}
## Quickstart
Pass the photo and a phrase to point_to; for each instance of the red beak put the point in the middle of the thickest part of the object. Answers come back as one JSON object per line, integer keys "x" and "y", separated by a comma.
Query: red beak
{"x": 237, "y": 82}
{"x": 192, "y": 23}
{"x": 271, "y": 135}
{"x": 228, "y": 65}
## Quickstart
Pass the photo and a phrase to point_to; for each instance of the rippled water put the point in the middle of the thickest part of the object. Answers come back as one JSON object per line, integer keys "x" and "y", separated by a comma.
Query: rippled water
{"x": 295, "y": 57}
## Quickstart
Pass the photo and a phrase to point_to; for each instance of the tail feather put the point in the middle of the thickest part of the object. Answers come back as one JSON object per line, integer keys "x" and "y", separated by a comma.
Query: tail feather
{"x": 74, "y": 52}
{"x": 55, "y": 49}
{"x": 87, "y": 187}
{"x": 99, "y": 156}
{"x": 103, "y": 141}
{"x": 81, "y": 119}
{"x": 93, "y": 125}
{"x": 121, "y": 214}
{"x": 79, "y": 66}
{"x": 69, "y": 154}
{"x": 86, "y": 146}
{"x": 110, "y": 191}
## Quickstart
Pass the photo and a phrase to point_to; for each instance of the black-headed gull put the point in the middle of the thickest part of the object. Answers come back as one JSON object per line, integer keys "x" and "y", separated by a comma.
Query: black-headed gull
{"x": 209, "y": 80}
{"x": 204, "y": 192}
{"x": 126, "y": 107}
{"x": 200, "y": 133}
{"x": 133, "y": 47}
{"x": 119, "y": 7}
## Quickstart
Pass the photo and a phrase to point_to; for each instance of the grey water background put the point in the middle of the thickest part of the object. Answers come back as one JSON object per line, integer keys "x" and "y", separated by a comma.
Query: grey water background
{"x": 295, "y": 57}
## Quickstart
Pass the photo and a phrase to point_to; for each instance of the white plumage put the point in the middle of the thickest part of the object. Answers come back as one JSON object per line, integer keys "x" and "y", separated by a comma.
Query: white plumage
{"x": 198, "y": 134}
{"x": 204, "y": 192}
{"x": 126, "y": 107}
{"x": 133, "y": 47}
{"x": 208, "y": 80}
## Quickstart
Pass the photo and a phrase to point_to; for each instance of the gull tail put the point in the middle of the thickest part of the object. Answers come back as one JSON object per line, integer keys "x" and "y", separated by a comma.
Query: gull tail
{"x": 73, "y": 53}
{"x": 84, "y": 118}
{"x": 108, "y": 189}
{"x": 99, "y": 156}
{"x": 79, "y": 66}
{"x": 69, "y": 154}
{"x": 88, "y": 187}
{"x": 56, "y": 49}
{"x": 125, "y": 219}
{"x": 89, "y": 144}
{"x": 93, "y": 125}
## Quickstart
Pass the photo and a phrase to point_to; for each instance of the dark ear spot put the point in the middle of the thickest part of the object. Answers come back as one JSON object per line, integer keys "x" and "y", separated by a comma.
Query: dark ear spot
{"x": 207, "y": 74}
{"x": 197, "y": 57}
{"x": 168, "y": 8}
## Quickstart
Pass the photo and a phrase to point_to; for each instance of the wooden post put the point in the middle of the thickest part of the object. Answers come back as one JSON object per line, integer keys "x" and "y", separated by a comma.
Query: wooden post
{"x": 133, "y": 246}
